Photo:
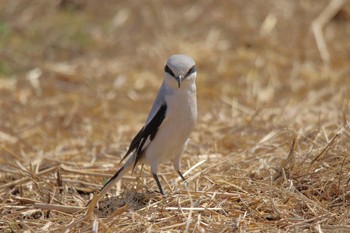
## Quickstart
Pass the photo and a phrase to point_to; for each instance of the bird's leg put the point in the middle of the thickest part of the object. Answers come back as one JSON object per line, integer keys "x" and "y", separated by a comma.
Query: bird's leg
{"x": 180, "y": 174}
{"x": 158, "y": 183}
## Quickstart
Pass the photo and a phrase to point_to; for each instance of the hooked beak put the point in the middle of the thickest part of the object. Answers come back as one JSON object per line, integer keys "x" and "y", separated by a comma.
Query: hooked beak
{"x": 179, "y": 79}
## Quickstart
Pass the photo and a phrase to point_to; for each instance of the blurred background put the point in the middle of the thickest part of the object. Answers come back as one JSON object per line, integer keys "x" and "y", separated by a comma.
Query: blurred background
{"x": 77, "y": 79}
{"x": 74, "y": 55}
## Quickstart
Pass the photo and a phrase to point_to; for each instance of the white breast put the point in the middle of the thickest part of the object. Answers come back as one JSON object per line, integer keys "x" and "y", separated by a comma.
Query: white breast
{"x": 172, "y": 135}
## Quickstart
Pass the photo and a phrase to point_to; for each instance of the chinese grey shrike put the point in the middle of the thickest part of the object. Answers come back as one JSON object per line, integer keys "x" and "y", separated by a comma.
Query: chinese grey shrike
{"x": 169, "y": 124}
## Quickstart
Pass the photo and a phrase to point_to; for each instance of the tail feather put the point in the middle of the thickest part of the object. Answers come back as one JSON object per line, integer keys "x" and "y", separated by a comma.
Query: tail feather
{"x": 117, "y": 176}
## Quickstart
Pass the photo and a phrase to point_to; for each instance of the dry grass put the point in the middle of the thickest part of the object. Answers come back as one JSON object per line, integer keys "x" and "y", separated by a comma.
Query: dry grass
{"x": 271, "y": 149}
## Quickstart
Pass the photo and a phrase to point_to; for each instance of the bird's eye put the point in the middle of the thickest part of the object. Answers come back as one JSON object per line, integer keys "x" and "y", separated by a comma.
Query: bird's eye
{"x": 191, "y": 71}
{"x": 168, "y": 70}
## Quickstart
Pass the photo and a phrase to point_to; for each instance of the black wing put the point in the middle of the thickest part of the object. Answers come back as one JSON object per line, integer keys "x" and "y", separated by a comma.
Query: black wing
{"x": 148, "y": 131}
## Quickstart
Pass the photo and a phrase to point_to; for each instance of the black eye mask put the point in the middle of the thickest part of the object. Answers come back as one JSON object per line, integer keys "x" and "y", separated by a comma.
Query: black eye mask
{"x": 191, "y": 71}
{"x": 169, "y": 71}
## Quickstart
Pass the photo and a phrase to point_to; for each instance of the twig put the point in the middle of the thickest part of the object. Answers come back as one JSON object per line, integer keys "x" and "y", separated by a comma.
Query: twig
{"x": 326, "y": 15}
{"x": 26, "y": 179}
{"x": 193, "y": 208}
{"x": 328, "y": 147}
{"x": 62, "y": 208}
{"x": 172, "y": 226}
{"x": 192, "y": 168}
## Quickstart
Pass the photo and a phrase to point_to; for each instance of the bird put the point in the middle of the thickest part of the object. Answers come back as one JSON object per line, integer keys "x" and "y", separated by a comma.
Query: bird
{"x": 172, "y": 118}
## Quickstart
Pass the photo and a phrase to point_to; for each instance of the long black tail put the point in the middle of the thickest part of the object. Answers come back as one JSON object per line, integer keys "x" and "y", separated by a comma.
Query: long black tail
{"x": 113, "y": 179}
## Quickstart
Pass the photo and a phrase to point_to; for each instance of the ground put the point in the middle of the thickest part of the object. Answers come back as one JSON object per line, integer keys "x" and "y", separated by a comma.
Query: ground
{"x": 270, "y": 151}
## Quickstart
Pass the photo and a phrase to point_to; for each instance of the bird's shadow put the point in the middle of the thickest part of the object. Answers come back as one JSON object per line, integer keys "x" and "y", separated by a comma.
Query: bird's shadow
{"x": 134, "y": 201}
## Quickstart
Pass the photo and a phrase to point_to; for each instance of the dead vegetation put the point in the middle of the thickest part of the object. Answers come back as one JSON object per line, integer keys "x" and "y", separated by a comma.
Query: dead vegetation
{"x": 270, "y": 152}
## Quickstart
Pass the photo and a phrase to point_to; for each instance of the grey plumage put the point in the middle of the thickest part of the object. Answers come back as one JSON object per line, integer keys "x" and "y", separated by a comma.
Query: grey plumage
{"x": 169, "y": 124}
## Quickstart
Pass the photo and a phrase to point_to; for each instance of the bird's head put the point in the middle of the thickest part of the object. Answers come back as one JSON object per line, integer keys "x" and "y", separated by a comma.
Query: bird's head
{"x": 180, "y": 71}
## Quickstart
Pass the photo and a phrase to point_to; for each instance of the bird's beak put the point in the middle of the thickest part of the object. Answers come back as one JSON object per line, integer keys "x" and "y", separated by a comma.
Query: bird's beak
{"x": 179, "y": 79}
